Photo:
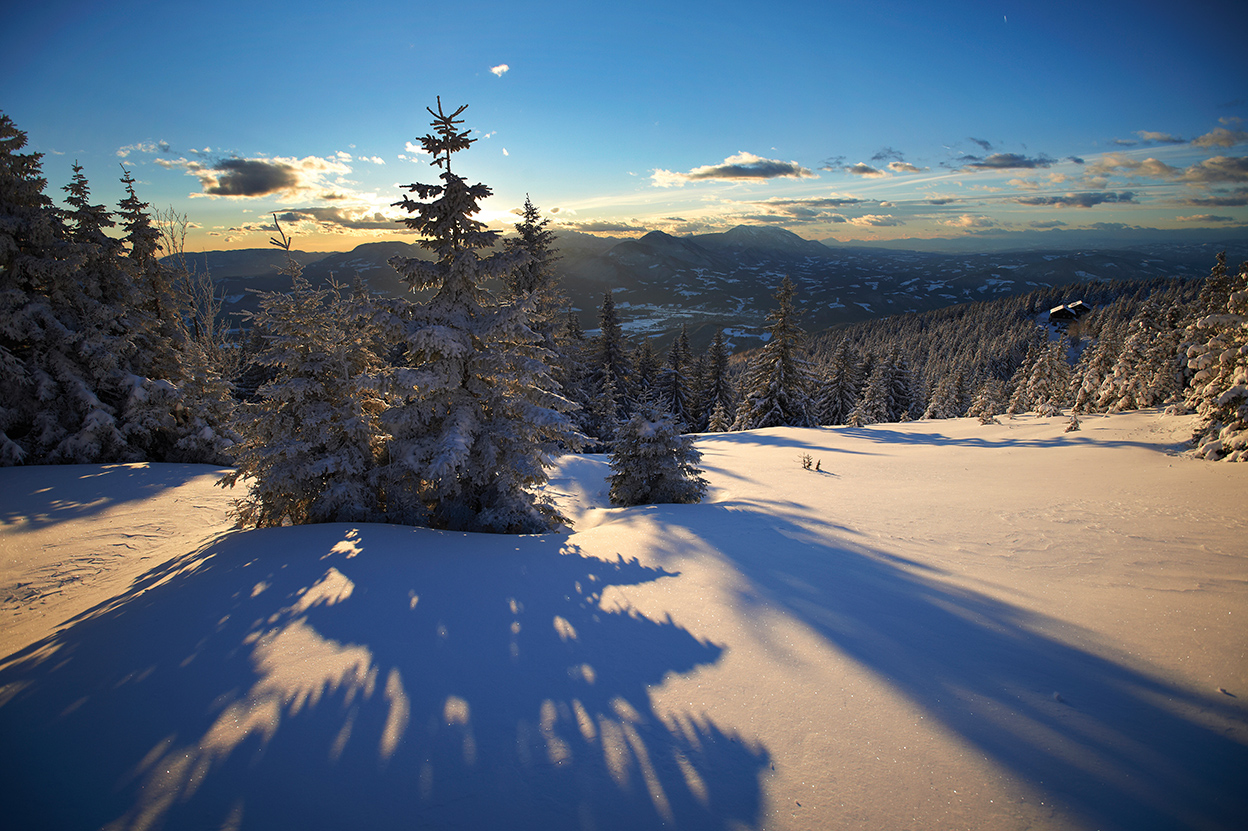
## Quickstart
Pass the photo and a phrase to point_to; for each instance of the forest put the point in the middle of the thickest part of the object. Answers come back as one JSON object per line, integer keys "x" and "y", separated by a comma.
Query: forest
{"x": 446, "y": 408}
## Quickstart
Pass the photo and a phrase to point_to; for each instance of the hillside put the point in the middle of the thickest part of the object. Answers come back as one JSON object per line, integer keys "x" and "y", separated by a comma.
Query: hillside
{"x": 728, "y": 280}
{"x": 951, "y": 625}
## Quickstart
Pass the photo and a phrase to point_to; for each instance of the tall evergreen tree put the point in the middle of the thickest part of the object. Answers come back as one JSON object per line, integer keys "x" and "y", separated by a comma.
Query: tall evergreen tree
{"x": 62, "y": 340}
{"x": 534, "y": 280}
{"x": 477, "y": 420}
{"x": 612, "y": 353}
{"x": 717, "y": 388}
{"x": 778, "y": 383}
{"x": 839, "y": 391}
{"x": 674, "y": 382}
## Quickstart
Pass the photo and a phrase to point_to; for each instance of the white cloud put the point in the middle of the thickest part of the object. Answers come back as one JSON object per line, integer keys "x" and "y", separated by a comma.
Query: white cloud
{"x": 500, "y": 69}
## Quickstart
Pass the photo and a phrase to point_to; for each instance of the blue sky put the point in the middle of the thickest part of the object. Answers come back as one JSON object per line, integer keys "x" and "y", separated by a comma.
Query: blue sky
{"x": 859, "y": 121}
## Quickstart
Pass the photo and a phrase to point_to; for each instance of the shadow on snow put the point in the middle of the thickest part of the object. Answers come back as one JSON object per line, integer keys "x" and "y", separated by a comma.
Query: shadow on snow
{"x": 1117, "y": 746}
{"x": 368, "y": 677}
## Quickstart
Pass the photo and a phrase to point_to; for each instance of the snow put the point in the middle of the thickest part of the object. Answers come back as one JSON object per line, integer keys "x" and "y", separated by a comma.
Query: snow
{"x": 950, "y": 625}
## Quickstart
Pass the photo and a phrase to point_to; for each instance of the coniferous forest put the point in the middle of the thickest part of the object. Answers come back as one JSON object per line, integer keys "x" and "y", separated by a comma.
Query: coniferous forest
{"x": 445, "y": 408}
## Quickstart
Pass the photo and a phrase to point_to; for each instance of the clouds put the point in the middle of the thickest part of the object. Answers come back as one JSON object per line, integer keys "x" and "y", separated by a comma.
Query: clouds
{"x": 865, "y": 170}
{"x": 1221, "y": 137}
{"x": 236, "y": 177}
{"x": 741, "y": 167}
{"x": 343, "y": 220}
{"x": 500, "y": 70}
{"x": 1215, "y": 170}
{"x": 1005, "y": 161}
{"x": 1077, "y": 200}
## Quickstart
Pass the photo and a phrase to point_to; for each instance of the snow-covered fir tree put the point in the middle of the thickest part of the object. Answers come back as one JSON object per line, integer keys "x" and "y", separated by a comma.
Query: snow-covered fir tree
{"x": 989, "y": 401}
{"x": 873, "y": 405}
{"x": 644, "y": 380}
{"x": 717, "y": 388}
{"x": 674, "y": 387}
{"x": 612, "y": 354}
{"x": 1049, "y": 379}
{"x": 653, "y": 462}
{"x": 1218, "y": 362}
{"x": 311, "y": 445}
{"x": 778, "y": 383}
{"x": 839, "y": 390}
{"x": 535, "y": 280}
{"x": 475, "y": 419}
{"x": 63, "y": 344}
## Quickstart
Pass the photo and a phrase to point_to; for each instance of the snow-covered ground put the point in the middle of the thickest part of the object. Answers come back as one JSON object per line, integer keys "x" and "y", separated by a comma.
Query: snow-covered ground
{"x": 949, "y": 625}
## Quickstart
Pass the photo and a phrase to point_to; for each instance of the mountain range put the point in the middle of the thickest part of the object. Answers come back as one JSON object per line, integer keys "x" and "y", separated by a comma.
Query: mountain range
{"x": 728, "y": 280}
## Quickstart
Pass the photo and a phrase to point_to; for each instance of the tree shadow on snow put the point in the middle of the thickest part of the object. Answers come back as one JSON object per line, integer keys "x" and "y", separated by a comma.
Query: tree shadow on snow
{"x": 1115, "y": 745}
{"x": 369, "y": 677}
{"x": 42, "y": 495}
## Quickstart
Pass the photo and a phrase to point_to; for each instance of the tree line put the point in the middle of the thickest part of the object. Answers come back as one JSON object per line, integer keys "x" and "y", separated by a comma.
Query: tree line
{"x": 445, "y": 408}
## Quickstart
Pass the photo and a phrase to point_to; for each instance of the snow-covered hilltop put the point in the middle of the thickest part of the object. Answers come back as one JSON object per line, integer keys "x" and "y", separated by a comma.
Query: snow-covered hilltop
{"x": 949, "y": 624}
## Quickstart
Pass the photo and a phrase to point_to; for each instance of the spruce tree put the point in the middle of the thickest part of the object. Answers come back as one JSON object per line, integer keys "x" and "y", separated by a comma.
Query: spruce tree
{"x": 653, "y": 462}
{"x": 778, "y": 383}
{"x": 674, "y": 384}
{"x": 1218, "y": 360}
{"x": 534, "y": 280}
{"x": 63, "y": 330}
{"x": 717, "y": 388}
{"x": 612, "y": 354}
{"x": 839, "y": 391}
{"x": 312, "y": 442}
{"x": 476, "y": 420}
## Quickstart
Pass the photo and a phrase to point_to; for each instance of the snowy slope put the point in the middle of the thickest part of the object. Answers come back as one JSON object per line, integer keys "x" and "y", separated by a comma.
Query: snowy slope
{"x": 949, "y": 626}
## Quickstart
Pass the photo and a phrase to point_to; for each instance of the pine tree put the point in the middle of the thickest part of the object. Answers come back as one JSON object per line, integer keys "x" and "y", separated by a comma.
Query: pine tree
{"x": 476, "y": 421}
{"x": 312, "y": 443}
{"x": 612, "y": 353}
{"x": 989, "y": 402}
{"x": 1049, "y": 379}
{"x": 873, "y": 406}
{"x": 1218, "y": 361}
{"x": 674, "y": 383}
{"x": 778, "y": 383}
{"x": 717, "y": 389}
{"x": 839, "y": 391}
{"x": 534, "y": 281}
{"x": 63, "y": 344}
{"x": 653, "y": 462}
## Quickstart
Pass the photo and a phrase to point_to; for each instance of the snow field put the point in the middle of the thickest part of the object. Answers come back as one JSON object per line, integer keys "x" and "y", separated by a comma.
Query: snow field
{"x": 950, "y": 625}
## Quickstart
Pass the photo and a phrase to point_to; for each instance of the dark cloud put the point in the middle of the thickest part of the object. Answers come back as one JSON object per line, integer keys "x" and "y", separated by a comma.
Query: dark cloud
{"x": 1237, "y": 198}
{"x": 888, "y": 154}
{"x": 1047, "y": 224}
{"x": 1075, "y": 160}
{"x": 1217, "y": 170}
{"x": 249, "y": 177}
{"x": 1078, "y": 200}
{"x": 833, "y": 163}
{"x": 742, "y": 166}
{"x": 1005, "y": 161}
{"x": 902, "y": 167}
{"x": 942, "y": 200}
{"x": 984, "y": 143}
{"x": 867, "y": 170}
{"x": 332, "y": 219}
